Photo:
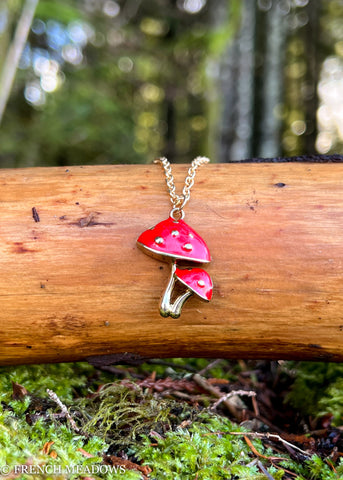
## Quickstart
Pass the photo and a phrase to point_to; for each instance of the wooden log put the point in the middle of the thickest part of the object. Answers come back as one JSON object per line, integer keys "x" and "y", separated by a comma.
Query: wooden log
{"x": 73, "y": 285}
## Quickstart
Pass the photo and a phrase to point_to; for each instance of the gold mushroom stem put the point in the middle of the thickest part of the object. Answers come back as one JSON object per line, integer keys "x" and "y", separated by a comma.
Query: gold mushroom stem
{"x": 172, "y": 309}
{"x": 165, "y": 305}
{"x": 178, "y": 304}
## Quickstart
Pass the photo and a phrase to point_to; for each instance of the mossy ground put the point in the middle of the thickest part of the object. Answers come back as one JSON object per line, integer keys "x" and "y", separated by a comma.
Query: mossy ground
{"x": 149, "y": 432}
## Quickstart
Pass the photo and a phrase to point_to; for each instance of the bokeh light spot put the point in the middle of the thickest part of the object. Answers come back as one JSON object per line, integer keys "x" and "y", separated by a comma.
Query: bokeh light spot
{"x": 152, "y": 93}
{"x": 77, "y": 33}
{"x": 125, "y": 64}
{"x": 154, "y": 27}
{"x": 298, "y": 127}
{"x": 147, "y": 119}
{"x": 72, "y": 54}
{"x": 114, "y": 38}
{"x": 300, "y": 3}
{"x": 193, "y": 6}
{"x": 34, "y": 94}
{"x": 111, "y": 8}
{"x": 38, "y": 26}
{"x": 49, "y": 82}
{"x": 265, "y": 5}
{"x": 324, "y": 142}
{"x": 198, "y": 123}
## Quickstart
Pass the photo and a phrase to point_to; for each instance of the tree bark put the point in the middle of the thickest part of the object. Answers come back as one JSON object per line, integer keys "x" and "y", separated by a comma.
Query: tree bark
{"x": 73, "y": 284}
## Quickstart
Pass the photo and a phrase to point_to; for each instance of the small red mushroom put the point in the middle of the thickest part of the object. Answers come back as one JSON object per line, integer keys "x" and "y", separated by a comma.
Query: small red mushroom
{"x": 196, "y": 280}
{"x": 172, "y": 240}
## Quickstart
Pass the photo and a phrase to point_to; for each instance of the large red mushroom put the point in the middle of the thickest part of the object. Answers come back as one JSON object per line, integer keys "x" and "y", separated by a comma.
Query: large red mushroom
{"x": 174, "y": 241}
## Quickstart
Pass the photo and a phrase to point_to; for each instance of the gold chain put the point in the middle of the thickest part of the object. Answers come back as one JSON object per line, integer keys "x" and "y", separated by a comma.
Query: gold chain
{"x": 179, "y": 201}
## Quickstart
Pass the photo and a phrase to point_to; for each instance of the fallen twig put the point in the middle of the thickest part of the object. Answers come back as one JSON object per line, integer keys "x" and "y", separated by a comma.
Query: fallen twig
{"x": 258, "y": 454}
{"x": 186, "y": 396}
{"x": 229, "y": 403}
{"x": 267, "y": 474}
{"x": 209, "y": 366}
{"x": 64, "y": 410}
{"x": 263, "y": 436}
{"x": 255, "y": 406}
{"x": 271, "y": 436}
{"x": 248, "y": 393}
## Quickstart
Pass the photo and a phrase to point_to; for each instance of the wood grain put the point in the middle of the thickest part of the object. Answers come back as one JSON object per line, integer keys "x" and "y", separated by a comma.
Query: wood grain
{"x": 74, "y": 285}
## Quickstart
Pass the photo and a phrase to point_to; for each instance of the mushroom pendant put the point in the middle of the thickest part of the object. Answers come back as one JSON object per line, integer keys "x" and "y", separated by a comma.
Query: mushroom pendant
{"x": 176, "y": 242}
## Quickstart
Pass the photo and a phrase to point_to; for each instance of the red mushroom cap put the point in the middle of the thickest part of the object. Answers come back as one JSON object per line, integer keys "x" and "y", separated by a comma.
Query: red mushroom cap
{"x": 174, "y": 240}
{"x": 197, "y": 280}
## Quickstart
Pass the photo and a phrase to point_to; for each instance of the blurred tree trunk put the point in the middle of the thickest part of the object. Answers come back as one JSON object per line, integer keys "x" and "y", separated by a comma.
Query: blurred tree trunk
{"x": 170, "y": 139}
{"x": 252, "y": 81}
{"x": 237, "y": 90}
{"x": 252, "y": 85}
{"x": 169, "y": 105}
{"x": 268, "y": 128}
{"x": 311, "y": 39}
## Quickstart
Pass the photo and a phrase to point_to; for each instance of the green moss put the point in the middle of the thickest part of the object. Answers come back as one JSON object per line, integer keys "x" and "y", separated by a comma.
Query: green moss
{"x": 122, "y": 414}
{"x": 195, "y": 452}
{"x": 121, "y": 417}
{"x": 332, "y": 401}
{"x": 62, "y": 378}
{"x": 20, "y": 442}
{"x": 315, "y": 469}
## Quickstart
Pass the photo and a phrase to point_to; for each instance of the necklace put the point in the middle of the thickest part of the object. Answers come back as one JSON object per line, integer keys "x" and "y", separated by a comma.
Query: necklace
{"x": 175, "y": 242}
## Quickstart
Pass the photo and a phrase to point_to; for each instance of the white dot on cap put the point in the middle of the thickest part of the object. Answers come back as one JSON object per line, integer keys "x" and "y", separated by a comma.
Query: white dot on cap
{"x": 191, "y": 235}
{"x": 201, "y": 283}
{"x": 175, "y": 233}
{"x": 158, "y": 240}
{"x": 188, "y": 247}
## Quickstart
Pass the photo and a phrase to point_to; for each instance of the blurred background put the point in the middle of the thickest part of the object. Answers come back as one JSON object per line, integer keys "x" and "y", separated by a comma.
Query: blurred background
{"x": 104, "y": 81}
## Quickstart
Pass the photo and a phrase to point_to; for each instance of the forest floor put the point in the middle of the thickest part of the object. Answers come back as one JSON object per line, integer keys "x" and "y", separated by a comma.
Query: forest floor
{"x": 187, "y": 419}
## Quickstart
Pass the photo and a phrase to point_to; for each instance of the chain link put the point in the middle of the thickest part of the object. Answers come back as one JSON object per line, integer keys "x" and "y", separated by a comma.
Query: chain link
{"x": 179, "y": 201}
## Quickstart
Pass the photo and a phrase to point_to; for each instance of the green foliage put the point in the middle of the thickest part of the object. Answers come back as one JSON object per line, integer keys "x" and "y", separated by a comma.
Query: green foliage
{"x": 317, "y": 389}
{"x": 314, "y": 469}
{"x": 196, "y": 452}
{"x": 64, "y": 12}
{"x": 20, "y": 442}
{"x": 332, "y": 401}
